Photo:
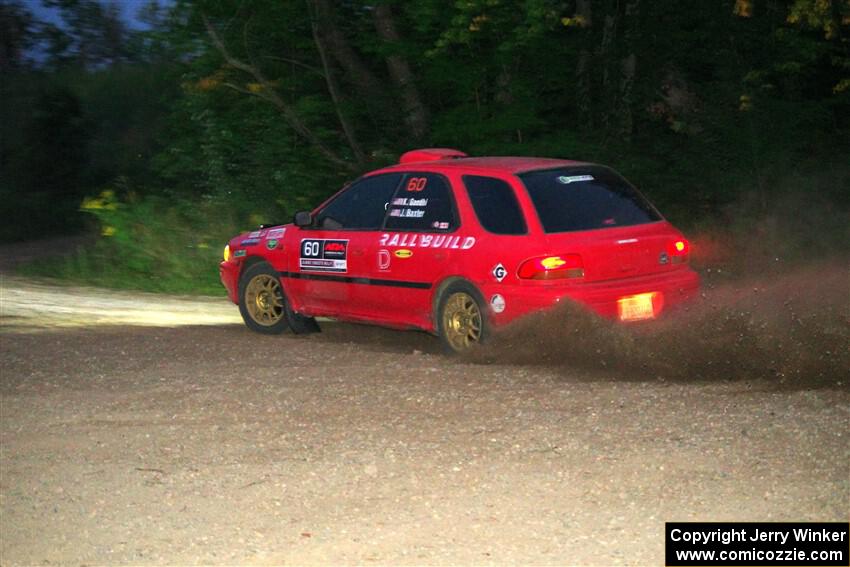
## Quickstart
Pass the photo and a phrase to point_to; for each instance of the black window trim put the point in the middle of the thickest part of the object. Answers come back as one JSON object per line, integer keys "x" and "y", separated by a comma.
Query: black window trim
{"x": 455, "y": 212}
{"x": 513, "y": 193}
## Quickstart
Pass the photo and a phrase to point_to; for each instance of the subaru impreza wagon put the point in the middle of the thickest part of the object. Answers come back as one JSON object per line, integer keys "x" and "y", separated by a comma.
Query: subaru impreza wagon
{"x": 457, "y": 245}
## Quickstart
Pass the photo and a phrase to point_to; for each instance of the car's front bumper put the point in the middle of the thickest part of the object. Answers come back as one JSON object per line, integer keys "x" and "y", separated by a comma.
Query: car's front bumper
{"x": 229, "y": 273}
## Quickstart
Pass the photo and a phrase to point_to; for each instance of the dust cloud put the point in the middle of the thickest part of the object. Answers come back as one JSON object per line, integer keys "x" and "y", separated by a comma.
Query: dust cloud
{"x": 791, "y": 330}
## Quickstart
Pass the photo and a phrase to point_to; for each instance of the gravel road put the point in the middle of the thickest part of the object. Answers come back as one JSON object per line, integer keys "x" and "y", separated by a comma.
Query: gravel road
{"x": 189, "y": 440}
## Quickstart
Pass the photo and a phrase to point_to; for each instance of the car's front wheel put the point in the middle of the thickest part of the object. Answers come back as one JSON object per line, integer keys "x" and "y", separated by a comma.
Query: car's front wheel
{"x": 264, "y": 306}
{"x": 261, "y": 300}
{"x": 461, "y": 321}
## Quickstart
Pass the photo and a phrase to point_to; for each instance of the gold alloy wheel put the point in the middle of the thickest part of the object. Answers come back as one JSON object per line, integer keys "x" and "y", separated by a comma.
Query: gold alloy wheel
{"x": 264, "y": 300}
{"x": 461, "y": 321}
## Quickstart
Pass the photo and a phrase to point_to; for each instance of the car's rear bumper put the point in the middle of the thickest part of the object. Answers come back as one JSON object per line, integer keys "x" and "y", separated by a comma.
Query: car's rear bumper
{"x": 229, "y": 273}
{"x": 675, "y": 288}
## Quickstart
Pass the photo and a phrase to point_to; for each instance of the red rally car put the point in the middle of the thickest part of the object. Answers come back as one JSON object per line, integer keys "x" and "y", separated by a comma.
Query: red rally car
{"x": 456, "y": 245}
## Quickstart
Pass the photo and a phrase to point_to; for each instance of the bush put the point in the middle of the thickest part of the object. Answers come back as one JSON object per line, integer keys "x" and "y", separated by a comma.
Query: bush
{"x": 155, "y": 244}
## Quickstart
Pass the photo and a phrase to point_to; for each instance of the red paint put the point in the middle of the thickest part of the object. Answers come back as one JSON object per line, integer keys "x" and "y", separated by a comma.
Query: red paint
{"x": 430, "y": 154}
{"x": 593, "y": 267}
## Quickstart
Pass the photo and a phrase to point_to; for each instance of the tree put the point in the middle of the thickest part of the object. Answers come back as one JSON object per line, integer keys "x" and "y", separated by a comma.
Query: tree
{"x": 92, "y": 34}
{"x": 16, "y": 36}
{"x": 415, "y": 113}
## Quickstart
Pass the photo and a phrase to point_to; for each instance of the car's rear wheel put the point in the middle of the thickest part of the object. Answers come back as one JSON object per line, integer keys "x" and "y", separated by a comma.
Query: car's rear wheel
{"x": 460, "y": 318}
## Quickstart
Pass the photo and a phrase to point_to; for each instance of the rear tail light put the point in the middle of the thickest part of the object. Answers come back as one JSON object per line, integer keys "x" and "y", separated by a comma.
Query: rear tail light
{"x": 679, "y": 250}
{"x": 552, "y": 267}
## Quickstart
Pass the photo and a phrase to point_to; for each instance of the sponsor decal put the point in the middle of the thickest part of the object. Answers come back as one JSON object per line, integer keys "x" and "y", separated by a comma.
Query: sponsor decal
{"x": 438, "y": 224}
{"x": 276, "y": 233}
{"x": 335, "y": 248}
{"x": 322, "y": 255}
{"x": 384, "y": 260}
{"x": 403, "y": 253}
{"x": 407, "y": 213}
{"x": 497, "y": 303}
{"x": 250, "y": 242}
{"x": 409, "y": 202}
{"x": 567, "y": 179}
{"x": 271, "y": 244}
{"x": 239, "y": 253}
{"x": 443, "y": 241}
{"x": 499, "y": 272}
{"x": 255, "y": 234}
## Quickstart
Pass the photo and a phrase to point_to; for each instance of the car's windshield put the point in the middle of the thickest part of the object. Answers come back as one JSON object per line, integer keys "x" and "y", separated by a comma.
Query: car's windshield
{"x": 585, "y": 198}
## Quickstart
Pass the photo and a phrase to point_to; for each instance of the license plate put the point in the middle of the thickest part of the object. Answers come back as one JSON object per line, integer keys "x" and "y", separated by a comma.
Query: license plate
{"x": 636, "y": 307}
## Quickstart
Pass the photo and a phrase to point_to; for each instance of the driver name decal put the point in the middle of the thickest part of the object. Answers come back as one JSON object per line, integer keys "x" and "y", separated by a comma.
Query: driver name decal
{"x": 428, "y": 241}
{"x": 322, "y": 255}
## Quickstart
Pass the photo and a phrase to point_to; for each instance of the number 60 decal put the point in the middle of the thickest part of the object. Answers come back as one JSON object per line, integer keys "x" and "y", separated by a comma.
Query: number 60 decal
{"x": 417, "y": 183}
{"x": 310, "y": 248}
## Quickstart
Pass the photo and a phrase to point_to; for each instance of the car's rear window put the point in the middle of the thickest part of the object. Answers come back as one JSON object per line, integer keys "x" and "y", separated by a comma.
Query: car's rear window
{"x": 495, "y": 205}
{"x": 585, "y": 198}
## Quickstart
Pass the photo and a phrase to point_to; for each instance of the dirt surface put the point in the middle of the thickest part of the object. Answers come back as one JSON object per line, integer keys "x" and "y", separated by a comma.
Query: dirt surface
{"x": 27, "y": 306}
{"x": 194, "y": 444}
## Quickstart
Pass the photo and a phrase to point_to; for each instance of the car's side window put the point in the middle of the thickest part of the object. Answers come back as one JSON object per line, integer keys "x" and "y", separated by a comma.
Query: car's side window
{"x": 423, "y": 201}
{"x": 361, "y": 206}
{"x": 495, "y": 205}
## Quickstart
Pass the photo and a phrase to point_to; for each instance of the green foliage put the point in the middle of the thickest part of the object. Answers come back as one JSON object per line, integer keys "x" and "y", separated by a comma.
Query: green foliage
{"x": 67, "y": 134}
{"x": 42, "y": 159}
{"x": 233, "y": 113}
{"x": 151, "y": 243}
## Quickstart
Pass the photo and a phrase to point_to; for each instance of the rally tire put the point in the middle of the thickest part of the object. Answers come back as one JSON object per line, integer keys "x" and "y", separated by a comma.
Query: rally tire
{"x": 461, "y": 318}
{"x": 262, "y": 302}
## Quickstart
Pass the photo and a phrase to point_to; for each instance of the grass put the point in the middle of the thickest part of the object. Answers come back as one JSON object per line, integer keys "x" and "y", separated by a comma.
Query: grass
{"x": 152, "y": 245}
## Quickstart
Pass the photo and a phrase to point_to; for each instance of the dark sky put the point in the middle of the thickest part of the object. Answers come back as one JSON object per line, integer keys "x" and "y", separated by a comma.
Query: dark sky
{"x": 127, "y": 8}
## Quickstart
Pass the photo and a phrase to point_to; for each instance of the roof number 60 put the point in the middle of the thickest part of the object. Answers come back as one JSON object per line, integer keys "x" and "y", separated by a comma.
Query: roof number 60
{"x": 417, "y": 183}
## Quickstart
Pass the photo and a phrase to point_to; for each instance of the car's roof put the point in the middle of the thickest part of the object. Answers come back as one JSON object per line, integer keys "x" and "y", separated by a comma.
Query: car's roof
{"x": 502, "y": 164}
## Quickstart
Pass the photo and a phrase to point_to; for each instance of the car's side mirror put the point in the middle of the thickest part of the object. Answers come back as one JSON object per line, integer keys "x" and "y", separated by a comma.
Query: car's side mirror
{"x": 303, "y": 218}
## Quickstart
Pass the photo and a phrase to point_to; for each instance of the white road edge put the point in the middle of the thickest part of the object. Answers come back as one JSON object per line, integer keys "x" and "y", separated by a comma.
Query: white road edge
{"x": 26, "y": 305}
